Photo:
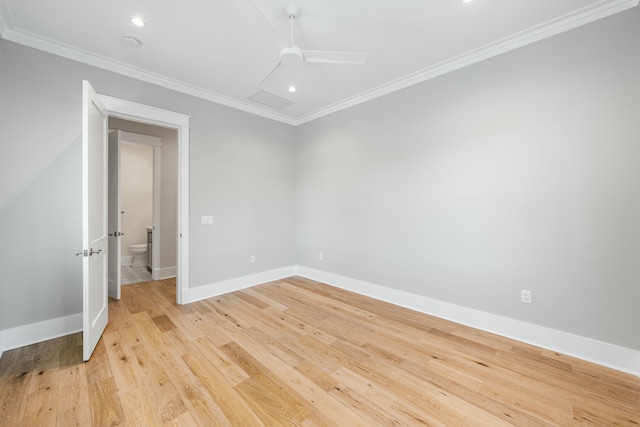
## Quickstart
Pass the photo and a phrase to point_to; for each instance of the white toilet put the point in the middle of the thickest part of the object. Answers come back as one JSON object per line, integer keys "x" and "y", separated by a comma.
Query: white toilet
{"x": 139, "y": 255}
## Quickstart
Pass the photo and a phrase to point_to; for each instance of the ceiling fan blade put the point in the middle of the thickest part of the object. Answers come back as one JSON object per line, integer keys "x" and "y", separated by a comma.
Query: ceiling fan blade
{"x": 329, "y": 57}
{"x": 273, "y": 75}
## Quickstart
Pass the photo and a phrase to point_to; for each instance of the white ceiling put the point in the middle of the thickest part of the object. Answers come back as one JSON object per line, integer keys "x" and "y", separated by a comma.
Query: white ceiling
{"x": 221, "y": 50}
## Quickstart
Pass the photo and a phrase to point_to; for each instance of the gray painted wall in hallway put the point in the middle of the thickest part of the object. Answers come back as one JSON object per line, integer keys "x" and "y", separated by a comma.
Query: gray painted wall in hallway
{"x": 519, "y": 172}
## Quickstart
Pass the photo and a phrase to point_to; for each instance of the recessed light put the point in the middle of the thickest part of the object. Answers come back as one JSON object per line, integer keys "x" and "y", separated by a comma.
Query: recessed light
{"x": 138, "y": 22}
{"x": 131, "y": 41}
{"x": 466, "y": 1}
{"x": 292, "y": 89}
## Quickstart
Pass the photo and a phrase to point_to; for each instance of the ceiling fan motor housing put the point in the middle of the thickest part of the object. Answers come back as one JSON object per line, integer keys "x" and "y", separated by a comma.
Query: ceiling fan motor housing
{"x": 291, "y": 56}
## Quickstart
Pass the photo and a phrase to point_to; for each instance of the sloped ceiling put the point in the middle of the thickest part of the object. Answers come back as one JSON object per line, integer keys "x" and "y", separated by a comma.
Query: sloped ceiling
{"x": 221, "y": 50}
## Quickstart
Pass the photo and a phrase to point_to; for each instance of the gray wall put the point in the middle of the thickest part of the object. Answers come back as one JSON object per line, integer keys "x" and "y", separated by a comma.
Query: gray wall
{"x": 520, "y": 172}
{"x": 242, "y": 173}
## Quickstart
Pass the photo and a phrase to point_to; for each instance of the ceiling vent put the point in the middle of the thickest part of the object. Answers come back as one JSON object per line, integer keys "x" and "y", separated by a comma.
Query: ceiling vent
{"x": 270, "y": 100}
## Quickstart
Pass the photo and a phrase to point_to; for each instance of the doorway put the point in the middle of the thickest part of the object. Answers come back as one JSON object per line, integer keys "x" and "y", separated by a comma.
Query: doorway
{"x": 121, "y": 111}
{"x": 145, "y": 202}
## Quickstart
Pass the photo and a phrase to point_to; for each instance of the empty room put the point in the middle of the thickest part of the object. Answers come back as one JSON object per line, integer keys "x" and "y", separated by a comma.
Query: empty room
{"x": 356, "y": 213}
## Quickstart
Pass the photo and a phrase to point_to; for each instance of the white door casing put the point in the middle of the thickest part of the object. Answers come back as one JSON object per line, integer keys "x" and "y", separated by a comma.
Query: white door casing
{"x": 115, "y": 223}
{"x": 95, "y": 308}
{"x": 133, "y": 111}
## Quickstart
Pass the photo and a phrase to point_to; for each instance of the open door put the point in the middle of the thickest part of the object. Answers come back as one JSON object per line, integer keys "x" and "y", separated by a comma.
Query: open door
{"x": 95, "y": 308}
{"x": 115, "y": 216}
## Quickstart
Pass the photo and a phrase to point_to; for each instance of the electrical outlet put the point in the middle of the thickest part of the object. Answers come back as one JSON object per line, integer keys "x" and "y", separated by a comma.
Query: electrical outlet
{"x": 321, "y": 256}
{"x": 252, "y": 259}
{"x": 208, "y": 220}
{"x": 525, "y": 296}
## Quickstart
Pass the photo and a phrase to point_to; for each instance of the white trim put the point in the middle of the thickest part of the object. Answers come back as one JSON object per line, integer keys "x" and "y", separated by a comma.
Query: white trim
{"x": 156, "y": 227}
{"x": 42, "y": 331}
{"x": 164, "y": 273}
{"x": 156, "y": 116}
{"x": 236, "y": 284}
{"x": 550, "y": 28}
{"x": 139, "y": 138}
{"x": 126, "y": 260}
{"x": 602, "y": 353}
{"x": 71, "y": 52}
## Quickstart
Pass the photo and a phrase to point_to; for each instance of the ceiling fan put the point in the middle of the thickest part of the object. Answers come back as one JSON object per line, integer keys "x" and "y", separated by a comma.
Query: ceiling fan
{"x": 293, "y": 55}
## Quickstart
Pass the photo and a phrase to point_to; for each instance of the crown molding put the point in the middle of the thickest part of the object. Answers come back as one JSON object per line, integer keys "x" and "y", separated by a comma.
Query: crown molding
{"x": 550, "y": 28}
{"x": 583, "y": 16}
{"x": 85, "y": 57}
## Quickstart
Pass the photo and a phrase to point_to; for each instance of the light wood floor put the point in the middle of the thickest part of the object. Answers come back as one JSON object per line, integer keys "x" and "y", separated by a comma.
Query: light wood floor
{"x": 297, "y": 352}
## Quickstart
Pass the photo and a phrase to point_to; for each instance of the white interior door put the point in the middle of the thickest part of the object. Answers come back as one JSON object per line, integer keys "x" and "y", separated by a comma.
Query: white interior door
{"x": 115, "y": 217}
{"x": 95, "y": 308}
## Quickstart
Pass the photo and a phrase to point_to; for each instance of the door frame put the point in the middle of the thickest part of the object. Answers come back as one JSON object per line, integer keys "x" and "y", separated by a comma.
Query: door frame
{"x": 114, "y": 215}
{"x": 133, "y": 111}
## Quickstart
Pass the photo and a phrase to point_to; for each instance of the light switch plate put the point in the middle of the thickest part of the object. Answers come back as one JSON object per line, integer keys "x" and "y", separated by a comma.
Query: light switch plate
{"x": 207, "y": 220}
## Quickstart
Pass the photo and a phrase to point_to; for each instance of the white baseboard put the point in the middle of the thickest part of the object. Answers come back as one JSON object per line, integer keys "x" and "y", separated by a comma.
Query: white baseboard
{"x": 38, "y": 332}
{"x": 164, "y": 273}
{"x": 231, "y": 285}
{"x": 126, "y": 260}
{"x": 602, "y": 353}
{"x": 605, "y": 354}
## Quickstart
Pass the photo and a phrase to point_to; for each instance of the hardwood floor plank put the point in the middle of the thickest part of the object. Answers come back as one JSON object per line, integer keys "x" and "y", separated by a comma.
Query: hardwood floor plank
{"x": 15, "y": 377}
{"x": 73, "y": 399}
{"x": 162, "y": 391}
{"x": 236, "y": 411}
{"x": 104, "y": 403}
{"x": 42, "y": 407}
{"x": 296, "y": 352}
{"x": 204, "y": 410}
{"x": 98, "y": 368}
{"x": 122, "y": 361}
{"x": 138, "y": 408}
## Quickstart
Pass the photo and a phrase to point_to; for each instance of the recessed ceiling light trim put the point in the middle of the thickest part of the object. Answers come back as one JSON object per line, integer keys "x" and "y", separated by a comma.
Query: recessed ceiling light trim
{"x": 138, "y": 22}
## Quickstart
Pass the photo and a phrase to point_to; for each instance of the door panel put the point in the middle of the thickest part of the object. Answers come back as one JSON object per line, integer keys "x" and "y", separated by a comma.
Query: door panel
{"x": 95, "y": 309}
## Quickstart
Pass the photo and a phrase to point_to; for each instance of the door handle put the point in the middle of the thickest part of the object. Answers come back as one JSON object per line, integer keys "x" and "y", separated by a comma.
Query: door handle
{"x": 89, "y": 252}
{"x": 116, "y": 233}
